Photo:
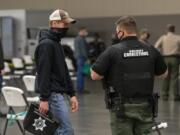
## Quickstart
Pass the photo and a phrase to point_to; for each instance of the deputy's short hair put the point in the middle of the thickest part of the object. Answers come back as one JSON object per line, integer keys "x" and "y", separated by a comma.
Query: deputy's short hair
{"x": 128, "y": 23}
{"x": 170, "y": 28}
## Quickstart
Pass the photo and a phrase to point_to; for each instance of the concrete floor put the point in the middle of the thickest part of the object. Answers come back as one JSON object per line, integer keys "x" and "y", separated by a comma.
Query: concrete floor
{"x": 93, "y": 119}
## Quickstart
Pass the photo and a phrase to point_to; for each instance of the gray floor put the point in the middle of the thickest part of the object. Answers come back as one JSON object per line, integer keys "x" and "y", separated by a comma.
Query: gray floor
{"x": 93, "y": 119}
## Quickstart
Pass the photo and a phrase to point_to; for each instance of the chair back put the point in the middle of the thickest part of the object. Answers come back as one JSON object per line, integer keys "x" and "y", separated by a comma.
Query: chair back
{"x": 28, "y": 60}
{"x": 17, "y": 63}
{"x": 69, "y": 64}
{"x": 14, "y": 97}
{"x": 29, "y": 81}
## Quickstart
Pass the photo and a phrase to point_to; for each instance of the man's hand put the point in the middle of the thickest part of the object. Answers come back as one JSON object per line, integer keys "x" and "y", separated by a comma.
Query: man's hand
{"x": 43, "y": 107}
{"x": 74, "y": 104}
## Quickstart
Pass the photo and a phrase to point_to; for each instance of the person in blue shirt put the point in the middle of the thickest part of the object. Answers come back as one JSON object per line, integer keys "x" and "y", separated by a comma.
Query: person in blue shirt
{"x": 81, "y": 55}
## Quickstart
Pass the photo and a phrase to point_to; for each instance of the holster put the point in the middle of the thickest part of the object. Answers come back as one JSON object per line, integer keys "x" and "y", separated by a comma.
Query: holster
{"x": 108, "y": 99}
{"x": 118, "y": 107}
{"x": 114, "y": 102}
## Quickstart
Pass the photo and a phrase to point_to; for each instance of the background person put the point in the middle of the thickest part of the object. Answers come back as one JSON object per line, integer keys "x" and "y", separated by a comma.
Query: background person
{"x": 144, "y": 36}
{"x": 96, "y": 47}
{"x": 1, "y": 65}
{"x": 81, "y": 55}
{"x": 169, "y": 46}
{"x": 1, "y": 72}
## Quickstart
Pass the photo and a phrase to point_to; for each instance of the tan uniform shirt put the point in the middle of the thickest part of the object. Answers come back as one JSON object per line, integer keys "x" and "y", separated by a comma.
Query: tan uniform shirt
{"x": 169, "y": 44}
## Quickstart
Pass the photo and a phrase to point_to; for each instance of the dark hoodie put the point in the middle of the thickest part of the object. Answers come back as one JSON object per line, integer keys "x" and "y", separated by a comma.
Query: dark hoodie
{"x": 52, "y": 72}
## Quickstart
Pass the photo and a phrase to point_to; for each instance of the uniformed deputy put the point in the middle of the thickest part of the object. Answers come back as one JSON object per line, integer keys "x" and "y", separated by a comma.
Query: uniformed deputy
{"x": 169, "y": 46}
{"x": 128, "y": 69}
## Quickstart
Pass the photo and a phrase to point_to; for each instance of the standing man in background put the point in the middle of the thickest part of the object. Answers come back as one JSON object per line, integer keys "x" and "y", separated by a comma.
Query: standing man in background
{"x": 96, "y": 47}
{"x": 169, "y": 46}
{"x": 144, "y": 36}
{"x": 1, "y": 65}
{"x": 81, "y": 55}
{"x": 1, "y": 71}
{"x": 128, "y": 69}
{"x": 53, "y": 80}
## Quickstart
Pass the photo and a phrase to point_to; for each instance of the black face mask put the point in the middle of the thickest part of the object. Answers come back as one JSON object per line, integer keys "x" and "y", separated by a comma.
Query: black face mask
{"x": 61, "y": 32}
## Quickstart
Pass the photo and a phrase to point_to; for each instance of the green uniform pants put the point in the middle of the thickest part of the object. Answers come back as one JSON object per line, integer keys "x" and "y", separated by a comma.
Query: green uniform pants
{"x": 171, "y": 82}
{"x": 137, "y": 120}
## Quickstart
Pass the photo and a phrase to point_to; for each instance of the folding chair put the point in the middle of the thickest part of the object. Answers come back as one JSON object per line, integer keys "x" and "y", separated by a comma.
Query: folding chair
{"x": 14, "y": 97}
{"x": 29, "y": 64}
{"x": 7, "y": 76}
{"x": 18, "y": 72}
{"x": 71, "y": 69}
{"x": 29, "y": 81}
{"x": 18, "y": 66}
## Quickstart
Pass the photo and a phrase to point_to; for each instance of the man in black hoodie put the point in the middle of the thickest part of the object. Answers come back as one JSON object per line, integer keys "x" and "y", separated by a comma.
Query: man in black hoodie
{"x": 53, "y": 80}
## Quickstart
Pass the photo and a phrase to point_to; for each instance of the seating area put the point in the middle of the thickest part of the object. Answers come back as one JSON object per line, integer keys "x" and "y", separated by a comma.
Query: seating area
{"x": 14, "y": 97}
{"x": 19, "y": 98}
{"x": 18, "y": 67}
{"x": 19, "y": 88}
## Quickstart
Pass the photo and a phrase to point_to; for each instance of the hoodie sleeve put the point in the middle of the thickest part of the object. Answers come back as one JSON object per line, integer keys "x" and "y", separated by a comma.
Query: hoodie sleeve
{"x": 44, "y": 62}
{"x": 69, "y": 84}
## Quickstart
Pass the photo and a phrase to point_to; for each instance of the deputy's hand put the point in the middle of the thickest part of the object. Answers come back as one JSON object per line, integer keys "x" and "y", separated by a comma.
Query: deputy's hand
{"x": 74, "y": 104}
{"x": 43, "y": 107}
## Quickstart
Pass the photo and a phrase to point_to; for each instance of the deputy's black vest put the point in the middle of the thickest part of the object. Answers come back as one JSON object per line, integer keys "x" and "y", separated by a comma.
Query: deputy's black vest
{"x": 132, "y": 69}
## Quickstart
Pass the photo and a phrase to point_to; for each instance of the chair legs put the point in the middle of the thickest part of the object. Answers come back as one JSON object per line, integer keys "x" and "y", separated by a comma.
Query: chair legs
{"x": 5, "y": 128}
{"x": 20, "y": 127}
{"x": 24, "y": 132}
{"x": 11, "y": 111}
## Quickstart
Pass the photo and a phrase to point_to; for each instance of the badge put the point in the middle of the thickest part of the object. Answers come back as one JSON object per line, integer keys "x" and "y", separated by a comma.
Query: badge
{"x": 39, "y": 124}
